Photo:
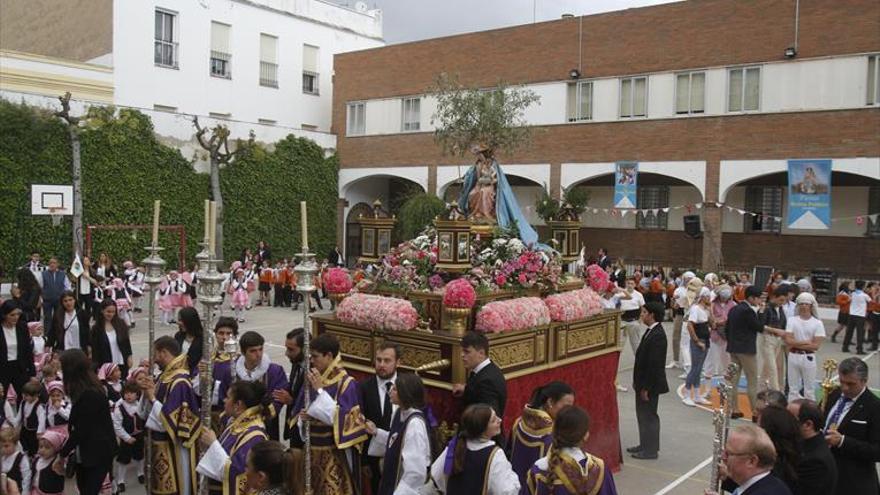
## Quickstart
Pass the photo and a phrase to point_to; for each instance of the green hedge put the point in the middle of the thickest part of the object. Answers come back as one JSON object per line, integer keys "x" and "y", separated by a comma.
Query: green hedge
{"x": 125, "y": 168}
{"x": 261, "y": 195}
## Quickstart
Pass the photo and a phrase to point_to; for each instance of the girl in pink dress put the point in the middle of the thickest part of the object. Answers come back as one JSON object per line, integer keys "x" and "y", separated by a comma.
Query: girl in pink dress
{"x": 239, "y": 292}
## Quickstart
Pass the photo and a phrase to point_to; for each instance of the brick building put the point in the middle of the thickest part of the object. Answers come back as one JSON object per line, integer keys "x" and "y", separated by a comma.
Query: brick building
{"x": 711, "y": 97}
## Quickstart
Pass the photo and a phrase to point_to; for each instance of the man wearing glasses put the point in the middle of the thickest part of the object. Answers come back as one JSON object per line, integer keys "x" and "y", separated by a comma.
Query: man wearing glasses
{"x": 747, "y": 460}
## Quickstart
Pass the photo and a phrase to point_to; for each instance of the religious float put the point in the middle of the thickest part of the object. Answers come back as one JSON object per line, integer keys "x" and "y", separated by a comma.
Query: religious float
{"x": 480, "y": 267}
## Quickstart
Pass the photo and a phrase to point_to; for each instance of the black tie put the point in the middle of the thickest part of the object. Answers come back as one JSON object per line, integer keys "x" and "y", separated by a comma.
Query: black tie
{"x": 386, "y": 407}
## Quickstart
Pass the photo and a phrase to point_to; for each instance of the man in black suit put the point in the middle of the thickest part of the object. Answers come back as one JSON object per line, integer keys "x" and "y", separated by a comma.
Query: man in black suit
{"x": 334, "y": 258}
{"x": 816, "y": 470}
{"x": 293, "y": 344}
{"x": 649, "y": 381}
{"x": 852, "y": 429}
{"x": 603, "y": 260}
{"x": 749, "y": 456}
{"x": 485, "y": 381}
{"x": 376, "y": 401}
{"x": 742, "y": 328}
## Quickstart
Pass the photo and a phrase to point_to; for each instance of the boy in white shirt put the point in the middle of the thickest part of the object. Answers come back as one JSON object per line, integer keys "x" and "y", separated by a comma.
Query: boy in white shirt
{"x": 803, "y": 335}
{"x": 858, "y": 310}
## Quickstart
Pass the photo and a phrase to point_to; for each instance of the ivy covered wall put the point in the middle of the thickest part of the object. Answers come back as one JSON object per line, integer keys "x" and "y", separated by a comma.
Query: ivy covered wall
{"x": 125, "y": 168}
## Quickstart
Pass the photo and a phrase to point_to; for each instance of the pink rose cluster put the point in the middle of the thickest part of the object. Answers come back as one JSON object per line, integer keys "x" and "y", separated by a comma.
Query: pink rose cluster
{"x": 597, "y": 278}
{"x": 459, "y": 294}
{"x": 337, "y": 281}
{"x": 377, "y": 312}
{"x": 573, "y": 305}
{"x": 512, "y": 314}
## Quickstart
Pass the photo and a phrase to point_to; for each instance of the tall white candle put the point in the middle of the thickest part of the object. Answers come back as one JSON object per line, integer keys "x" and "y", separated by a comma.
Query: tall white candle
{"x": 156, "y": 206}
{"x": 207, "y": 220}
{"x": 305, "y": 225}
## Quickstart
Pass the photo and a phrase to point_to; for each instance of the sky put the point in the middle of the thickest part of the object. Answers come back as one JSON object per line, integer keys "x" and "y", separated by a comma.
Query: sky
{"x": 411, "y": 20}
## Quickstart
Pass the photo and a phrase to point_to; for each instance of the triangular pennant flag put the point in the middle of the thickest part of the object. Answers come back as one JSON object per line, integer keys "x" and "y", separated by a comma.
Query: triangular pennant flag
{"x": 623, "y": 213}
{"x": 698, "y": 205}
{"x": 730, "y": 208}
{"x": 595, "y": 211}
{"x": 665, "y": 210}
{"x": 717, "y": 205}
{"x": 874, "y": 217}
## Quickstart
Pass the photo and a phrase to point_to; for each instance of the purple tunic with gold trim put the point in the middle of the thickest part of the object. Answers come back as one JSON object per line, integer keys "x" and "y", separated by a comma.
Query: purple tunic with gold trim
{"x": 530, "y": 439}
{"x": 181, "y": 424}
{"x": 331, "y": 473}
{"x": 589, "y": 476}
{"x": 237, "y": 439}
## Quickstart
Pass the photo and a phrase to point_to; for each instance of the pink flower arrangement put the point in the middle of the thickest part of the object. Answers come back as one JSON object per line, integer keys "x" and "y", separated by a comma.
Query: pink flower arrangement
{"x": 597, "y": 278}
{"x": 573, "y": 305}
{"x": 337, "y": 281}
{"x": 512, "y": 314}
{"x": 459, "y": 294}
{"x": 377, "y": 312}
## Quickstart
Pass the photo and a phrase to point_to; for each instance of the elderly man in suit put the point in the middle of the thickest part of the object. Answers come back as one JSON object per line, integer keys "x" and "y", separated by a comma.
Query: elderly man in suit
{"x": 649, "y": 381}
{"x": 748, "y": 458}
{"x": 816, "y": 470}
{"x": 852, "y": 429}
{"x": 485, "y": 381}
{"x": 376, "y": 401}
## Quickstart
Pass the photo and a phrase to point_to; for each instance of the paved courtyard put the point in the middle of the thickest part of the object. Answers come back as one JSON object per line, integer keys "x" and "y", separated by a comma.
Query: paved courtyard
{"x": 686, "y": 433}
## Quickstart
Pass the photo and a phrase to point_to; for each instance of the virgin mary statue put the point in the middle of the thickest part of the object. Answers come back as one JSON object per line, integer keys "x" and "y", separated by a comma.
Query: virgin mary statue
{"x": 486, "y": 197}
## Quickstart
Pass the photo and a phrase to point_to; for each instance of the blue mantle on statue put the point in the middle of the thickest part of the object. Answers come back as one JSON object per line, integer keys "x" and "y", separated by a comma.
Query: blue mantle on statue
{"x": 507, "y": 211}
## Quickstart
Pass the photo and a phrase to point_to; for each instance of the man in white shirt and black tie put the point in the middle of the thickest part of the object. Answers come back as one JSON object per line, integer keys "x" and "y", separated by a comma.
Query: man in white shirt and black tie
{"x": 852, "y": 429}
{"x": 376, "y": 401}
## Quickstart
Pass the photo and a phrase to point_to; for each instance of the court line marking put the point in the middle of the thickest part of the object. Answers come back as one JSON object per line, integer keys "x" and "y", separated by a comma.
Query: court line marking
{"x": 681, "y": 479}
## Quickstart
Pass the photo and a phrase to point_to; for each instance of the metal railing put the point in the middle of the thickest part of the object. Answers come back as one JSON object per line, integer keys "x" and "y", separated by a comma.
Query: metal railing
{"x": 221, "y": 64}
{"x": 310, "y": 82}
{"x": 268, "y": 74}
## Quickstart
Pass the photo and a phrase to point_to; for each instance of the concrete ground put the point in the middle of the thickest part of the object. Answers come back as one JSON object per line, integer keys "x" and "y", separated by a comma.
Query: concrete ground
{"x": 686, "y": 432}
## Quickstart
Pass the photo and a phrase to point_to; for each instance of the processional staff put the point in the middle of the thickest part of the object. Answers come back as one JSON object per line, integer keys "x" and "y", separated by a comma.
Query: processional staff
{"x": 305, "y": 273}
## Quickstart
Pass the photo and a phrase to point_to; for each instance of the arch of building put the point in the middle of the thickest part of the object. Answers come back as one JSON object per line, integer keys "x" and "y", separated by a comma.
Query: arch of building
{"x": 539, "y": 173}
{"x": 736, "y": 172}
{"x": 692, "y": 172}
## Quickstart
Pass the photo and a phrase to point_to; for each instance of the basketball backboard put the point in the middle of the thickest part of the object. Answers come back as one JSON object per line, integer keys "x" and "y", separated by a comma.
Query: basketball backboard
{"x": 51, "y": 199}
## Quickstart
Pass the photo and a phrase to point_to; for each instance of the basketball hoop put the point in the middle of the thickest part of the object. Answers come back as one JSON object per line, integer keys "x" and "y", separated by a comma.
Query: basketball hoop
{"x": 56, "y": 216}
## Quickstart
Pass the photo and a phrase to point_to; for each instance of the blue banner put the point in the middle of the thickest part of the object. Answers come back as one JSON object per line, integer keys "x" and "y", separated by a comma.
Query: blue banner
{"x": 626, "y": 175}
{"x": 809, "y": 194}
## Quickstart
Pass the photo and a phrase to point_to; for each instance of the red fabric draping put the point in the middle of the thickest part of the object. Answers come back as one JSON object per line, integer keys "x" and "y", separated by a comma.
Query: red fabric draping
{"x": 593, "y": 383}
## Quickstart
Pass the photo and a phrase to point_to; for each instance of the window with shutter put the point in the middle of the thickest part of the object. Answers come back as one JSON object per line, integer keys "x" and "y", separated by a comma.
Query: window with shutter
{"x": 268, "y": 61}
{"x": 410, "y": 114}
{"x": 766, "y": 203}
{"x": 310, "y": 70}
{"x": 165, "y": 39}
{"x": 221, "y": 55}
{"x": 633, "y": 97}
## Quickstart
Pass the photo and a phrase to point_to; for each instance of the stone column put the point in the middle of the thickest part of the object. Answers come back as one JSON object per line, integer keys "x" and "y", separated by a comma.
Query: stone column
{"x": 712, "y": 254}
{"x": 555, "y": 180}
{"x": 432, "y": 180}
{"x": 341, "y": 203}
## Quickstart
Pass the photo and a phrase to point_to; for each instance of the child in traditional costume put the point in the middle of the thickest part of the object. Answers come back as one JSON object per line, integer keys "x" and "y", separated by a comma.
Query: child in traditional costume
{"x": 568, "y": 469}
{"x": 129, "y": 425}
{"x": 239, "y": 292}
{"x": 531, "y": 435}
{"x": 46, "y": 480}
{"x": 267, "y": 279}
{"x": 119, "y": 294}
{"x": 134, "y": 282}
{"x": 472, "y": 463}
{"x": 169, "y": 296}
{"x": 225, "y": 459}
{"x": 250, "y": 278}
{"x": 42, "y": 352}
{"x": 188, "y": 293}
{"x": 14, "y": 461}
{"x": 31, "y": 417}
{"x": 111, "y": 377}
{"x": 57, "y": 408}
{"x": 279, "y": 275}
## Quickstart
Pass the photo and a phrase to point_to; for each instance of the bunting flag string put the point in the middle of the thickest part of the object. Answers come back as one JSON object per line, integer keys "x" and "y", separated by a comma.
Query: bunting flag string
{"x": 622, "y": 212}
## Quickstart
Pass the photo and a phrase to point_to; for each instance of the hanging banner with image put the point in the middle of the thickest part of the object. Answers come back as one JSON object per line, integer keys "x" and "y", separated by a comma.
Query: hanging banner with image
{"x": 809, "y": 194}
{"x": 625, "y": 182}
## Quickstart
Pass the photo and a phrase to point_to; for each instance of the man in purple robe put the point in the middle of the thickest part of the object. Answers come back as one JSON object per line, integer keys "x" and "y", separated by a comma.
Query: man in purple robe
{"x": 225, "y": 459}
{"x": 337, "y": 426}
{"x": 173, "y": 420}
{"x": 254, "y": 365}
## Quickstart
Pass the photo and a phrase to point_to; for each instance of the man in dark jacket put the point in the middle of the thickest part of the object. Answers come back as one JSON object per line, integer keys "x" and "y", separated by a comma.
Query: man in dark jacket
{"x": 749, "y": 457}
{"x": 743, "y": 327}
{"x": 852, "y": 429}
{"x": 55, "y": 282}
{"x": 816, "y": 470}
{"x": 485, "y": 380}
{"x": 649, "y": 381}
